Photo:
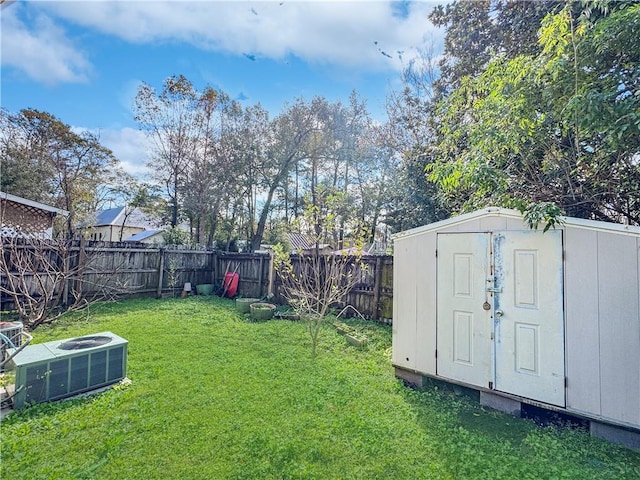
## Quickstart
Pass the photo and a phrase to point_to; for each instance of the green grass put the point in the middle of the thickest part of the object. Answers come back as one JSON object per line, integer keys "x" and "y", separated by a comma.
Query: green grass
{"x": 217, "y": 397}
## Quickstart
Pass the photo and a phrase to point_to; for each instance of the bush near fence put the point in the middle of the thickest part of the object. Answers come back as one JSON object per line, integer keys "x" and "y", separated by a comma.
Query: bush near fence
{"x": 148, "y": 270}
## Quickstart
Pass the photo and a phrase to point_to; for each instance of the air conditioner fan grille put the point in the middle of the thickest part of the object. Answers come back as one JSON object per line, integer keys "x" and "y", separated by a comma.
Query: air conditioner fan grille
{"x": 84, "y": 342}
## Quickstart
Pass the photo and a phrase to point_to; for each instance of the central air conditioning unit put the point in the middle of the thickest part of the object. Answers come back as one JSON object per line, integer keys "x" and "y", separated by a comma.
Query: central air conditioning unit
{"x": 62, "y": 368}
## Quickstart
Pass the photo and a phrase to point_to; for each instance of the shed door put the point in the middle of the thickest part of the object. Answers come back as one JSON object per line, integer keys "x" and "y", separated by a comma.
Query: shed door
{"x": 500, "y": 320}
{"x": 463, "y": 325}
{"x": 528, "y": 315}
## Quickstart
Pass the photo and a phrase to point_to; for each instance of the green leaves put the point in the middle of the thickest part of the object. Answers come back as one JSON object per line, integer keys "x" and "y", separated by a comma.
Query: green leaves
{"x": 317, "y": 280}
{"x": 544, "y": 212}
{"x": 44, "y": 159}
{"x": 559, "y": 127}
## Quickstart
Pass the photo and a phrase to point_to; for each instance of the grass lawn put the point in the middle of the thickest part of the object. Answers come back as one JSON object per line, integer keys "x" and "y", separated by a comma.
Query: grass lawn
{"x": 217, "y": 397}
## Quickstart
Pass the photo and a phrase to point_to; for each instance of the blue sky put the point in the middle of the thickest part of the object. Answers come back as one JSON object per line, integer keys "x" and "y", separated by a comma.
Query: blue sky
{"x": 82, "y": 61}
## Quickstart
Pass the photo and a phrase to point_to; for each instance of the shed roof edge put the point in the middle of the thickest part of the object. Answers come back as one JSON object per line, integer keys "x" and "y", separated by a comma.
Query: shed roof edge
{"x": 510, "y": 213}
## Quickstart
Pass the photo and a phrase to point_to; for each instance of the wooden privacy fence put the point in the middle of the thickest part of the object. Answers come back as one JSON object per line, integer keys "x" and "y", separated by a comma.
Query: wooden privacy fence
{"x": 144, "y": 270}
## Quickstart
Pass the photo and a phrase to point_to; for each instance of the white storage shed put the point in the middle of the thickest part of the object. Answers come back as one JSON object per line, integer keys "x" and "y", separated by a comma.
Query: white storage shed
{"x": 551, "y": 319}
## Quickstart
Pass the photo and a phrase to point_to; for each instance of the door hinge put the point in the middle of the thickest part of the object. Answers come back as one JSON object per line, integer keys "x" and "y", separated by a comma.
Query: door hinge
{"x": 436, "y": 253}
{"x": 566, "y": 382}
{"x": 436, "y": 353}
{"x": 490, "y": 385}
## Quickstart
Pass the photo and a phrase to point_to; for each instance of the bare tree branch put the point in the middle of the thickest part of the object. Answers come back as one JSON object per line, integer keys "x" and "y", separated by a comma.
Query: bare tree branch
{"x": 46, "y": 279}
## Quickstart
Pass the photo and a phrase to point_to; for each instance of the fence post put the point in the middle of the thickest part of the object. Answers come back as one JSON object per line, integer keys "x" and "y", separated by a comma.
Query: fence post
{"x": 214, "y": 267}
{"x": 377, "y": 286}
{"x": 270, "y": 292}
{"x": 81, "y": 266}
{"x": 66, "y": 268}
{"x": 160, "y": 273}
{"x": 260, "y": 277}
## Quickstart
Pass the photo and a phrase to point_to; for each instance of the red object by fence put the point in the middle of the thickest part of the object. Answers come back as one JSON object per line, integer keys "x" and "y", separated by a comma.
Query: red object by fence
{"x": 230, "y": 284}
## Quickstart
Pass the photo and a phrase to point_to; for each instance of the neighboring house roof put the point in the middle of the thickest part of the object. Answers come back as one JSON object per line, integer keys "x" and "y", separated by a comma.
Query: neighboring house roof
{"x": 300, "y": 242}
{"x": 108, "y": 217}
{"x": 139, "y": 237}
{"x": 516, "y": 215}
{"x": 119, "y": 215}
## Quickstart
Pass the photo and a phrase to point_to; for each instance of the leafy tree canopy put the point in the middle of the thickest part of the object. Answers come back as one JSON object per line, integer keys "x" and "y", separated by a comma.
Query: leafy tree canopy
{"x": 559, "y": 126}
{"x": 42, "y": 159}
{"x": 477, "y": 31}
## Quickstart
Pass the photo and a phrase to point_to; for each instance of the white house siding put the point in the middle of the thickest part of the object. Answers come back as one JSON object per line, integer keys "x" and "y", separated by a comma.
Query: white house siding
{"x": 111, "y": 233}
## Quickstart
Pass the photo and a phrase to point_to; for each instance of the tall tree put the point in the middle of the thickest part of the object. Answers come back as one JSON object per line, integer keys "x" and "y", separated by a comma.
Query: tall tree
{"x": 292, "y": 131}
{"x": 476, "y": 31}
{"x": 66, "y": 168}
{"x": 351, "y": 159}
{"x": 252, "y": 162}
{"x": 23, "y": 151}
{"x": 169, "y": 120}
{"x": 374, "y": 175}
{"x": 558, "y": 128}
{"x": 407, "y": 136}
{"x": 207, "y": 173}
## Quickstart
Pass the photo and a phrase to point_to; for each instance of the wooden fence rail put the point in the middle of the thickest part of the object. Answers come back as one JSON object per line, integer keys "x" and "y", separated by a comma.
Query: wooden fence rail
{"x": 143, "y": 270}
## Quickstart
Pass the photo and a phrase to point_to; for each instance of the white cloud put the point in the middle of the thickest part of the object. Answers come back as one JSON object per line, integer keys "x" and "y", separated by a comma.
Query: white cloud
{"x": 339, "y": 33}
{"x": 41, "y": 50}
{"x": 130, "y": 146}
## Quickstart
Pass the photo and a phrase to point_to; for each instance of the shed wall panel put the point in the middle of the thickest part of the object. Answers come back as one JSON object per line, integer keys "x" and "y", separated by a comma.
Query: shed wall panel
{"x": 619, "y": 324}
{"x": 485, "y": 224}
{"x": 425, "y": 262}
{"x": 515, "y": 224}
{"x": 492, "y": 224}
{"x": 468, "y": 226}
{"x": 404, "y": 302}
{"x": 581, "y": 320}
